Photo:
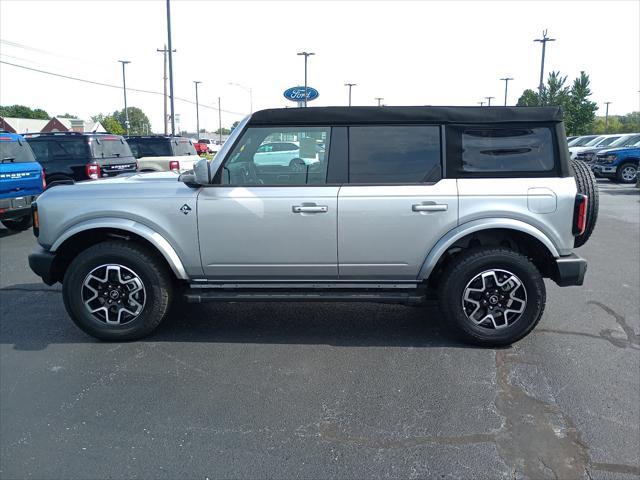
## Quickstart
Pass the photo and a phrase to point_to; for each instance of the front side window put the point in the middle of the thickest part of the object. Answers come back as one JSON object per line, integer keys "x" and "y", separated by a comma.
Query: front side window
{"x": 394, "y": 154}
{"x": 278, "y": 156}
{"x": 507, "y": 150}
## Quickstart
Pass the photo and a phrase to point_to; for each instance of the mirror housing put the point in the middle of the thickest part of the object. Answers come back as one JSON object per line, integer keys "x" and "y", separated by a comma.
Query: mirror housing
{"x": 201, "y": 172}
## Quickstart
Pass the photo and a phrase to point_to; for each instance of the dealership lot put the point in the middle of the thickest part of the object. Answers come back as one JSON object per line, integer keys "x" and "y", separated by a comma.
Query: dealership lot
{"x": 329, "y": 390}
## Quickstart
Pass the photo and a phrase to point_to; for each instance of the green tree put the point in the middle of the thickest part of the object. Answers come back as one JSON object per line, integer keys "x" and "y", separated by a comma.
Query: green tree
{"x": 110, "y": 123}
{"x": 580, "y": 112}
{"x": 529, "y": 98}
{"x": 22, "y": 111}
{"x": 599, "y": 125}
{"x": 139, "y": 123}
{"x": 66, "y": 115}
{"x": 225, "y": 131}
{"x": 554, "y": 92}
{"x": 630, "y": 122}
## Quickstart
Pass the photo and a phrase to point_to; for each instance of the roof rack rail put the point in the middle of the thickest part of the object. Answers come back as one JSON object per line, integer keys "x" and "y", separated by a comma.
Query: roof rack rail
{"x": 34, "y": 134}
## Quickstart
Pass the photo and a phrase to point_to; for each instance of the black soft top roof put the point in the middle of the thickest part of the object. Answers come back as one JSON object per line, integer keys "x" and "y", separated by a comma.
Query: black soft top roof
{"x": 403, "y": 115}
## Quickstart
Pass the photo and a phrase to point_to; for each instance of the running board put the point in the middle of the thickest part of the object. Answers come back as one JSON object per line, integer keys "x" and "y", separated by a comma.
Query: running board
{"x": 410, "y": 297}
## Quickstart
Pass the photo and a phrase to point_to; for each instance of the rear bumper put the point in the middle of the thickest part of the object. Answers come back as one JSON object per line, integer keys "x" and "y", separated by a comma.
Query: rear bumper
{"x": 41, "y": 263}
{"x": 15, "y": 207}
{"x": 569, "y": 270}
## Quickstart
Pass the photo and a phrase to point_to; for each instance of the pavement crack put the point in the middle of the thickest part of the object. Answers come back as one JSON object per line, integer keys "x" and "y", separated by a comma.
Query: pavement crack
{"x": 632, "y": 337}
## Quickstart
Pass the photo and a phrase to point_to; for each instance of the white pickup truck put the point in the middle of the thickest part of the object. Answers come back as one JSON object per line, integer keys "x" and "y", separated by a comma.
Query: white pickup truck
{"x": 160, "y": 153}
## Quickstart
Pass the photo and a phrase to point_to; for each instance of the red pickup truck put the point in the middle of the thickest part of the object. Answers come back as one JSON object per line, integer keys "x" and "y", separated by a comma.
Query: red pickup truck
{"x": 201, "y": 148}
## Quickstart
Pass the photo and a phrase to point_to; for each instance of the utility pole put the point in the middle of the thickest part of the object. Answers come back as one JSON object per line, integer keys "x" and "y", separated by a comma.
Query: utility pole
{"x": 196, "y": 83}
{"x": 124, "y": 88}
{"x": 379, "y": 99}
{"x": 481, "y": 104}
{"x": 350, "y": 85}
{"x": 544, "y": 41}
{"x": 170, "y": 52}
{"x": 247, "y": 89}
{"x": 506, "y": 87}
{"x": 606, "y": 117}
{"x": 306, "y": 56}
{"x": 164, "y": 78}
{"x": 489, "y": 101}
{"x": 219, "y": 122}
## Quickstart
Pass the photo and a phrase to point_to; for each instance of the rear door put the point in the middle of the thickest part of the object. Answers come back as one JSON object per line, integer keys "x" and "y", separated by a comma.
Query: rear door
{"x": 20, "y": 174}
{"x": 396, "y": 205}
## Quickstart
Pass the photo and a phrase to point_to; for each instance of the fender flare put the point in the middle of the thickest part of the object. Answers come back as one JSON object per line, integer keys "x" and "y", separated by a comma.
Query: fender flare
{"x": 153, "y": 237}
{"x": 476, "y": 226}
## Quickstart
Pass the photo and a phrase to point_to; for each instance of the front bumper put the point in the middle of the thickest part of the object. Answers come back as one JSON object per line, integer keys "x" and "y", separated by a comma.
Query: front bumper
{"x": 569, "y": 270}
{"x": 604, "y": 170}
{"x": 42, "y": 264}
{"x": 17, "y": 207}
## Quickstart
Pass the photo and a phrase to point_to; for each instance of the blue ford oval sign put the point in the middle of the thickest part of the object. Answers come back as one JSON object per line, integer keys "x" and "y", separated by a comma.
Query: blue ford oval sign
{"x": 296, "y": 94}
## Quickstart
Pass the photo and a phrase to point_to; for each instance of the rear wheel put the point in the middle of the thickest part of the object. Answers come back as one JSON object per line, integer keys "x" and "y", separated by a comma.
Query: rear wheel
{"x": 117, "y": 290}
{"x": 492, "y": 296}
{"x": 627, "y": 173}
{"x": 587, "y": 185}
{"x": 18, "y": 224}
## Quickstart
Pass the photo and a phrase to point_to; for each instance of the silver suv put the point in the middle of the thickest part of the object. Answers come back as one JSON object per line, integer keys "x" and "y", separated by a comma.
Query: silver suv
{"x": 377, "y": 204}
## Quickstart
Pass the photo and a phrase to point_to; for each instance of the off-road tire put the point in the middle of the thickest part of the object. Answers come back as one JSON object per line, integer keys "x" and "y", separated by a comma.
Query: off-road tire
{"x": 587, "y": 185}
{"x": 18, "y": 224}
{"x": 464, "y": 267}
{"x": 149, "y": 267}
{"x": 619, "y": 177}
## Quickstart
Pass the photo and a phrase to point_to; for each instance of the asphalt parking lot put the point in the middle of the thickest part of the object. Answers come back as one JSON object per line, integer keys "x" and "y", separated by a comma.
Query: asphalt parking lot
{"x": 329, "y": 390}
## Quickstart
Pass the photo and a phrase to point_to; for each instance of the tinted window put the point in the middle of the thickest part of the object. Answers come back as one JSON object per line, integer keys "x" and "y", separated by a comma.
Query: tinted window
{"x": 60, "y": 150}
{"x": 109, "y": 147}
{"x": 507, "y": 150}
{"x": 389, "y": 154}
{"x": 607, "y": 141}
{"x": 15, "y": 152}
{"x": 183, "y": 146}
{"x": 150, "y": 147}
{"x": 267, "y": 156}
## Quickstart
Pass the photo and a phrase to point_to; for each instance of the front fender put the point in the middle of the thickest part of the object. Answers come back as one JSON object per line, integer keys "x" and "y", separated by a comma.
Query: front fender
{"x": 475, "y": 226}
{"x": 157, "y": 240}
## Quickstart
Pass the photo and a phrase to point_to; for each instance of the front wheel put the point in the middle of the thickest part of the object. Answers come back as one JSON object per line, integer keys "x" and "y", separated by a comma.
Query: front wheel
{"x": 492, "y": 297}
{"x": 18, "y": 224}
{"x": 117, "y": 290}
{"x": 627, "y": 173}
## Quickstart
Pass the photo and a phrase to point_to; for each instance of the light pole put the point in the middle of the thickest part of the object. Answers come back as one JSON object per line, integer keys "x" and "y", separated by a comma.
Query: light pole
{"x": 606, "y": 117}
{"x": 219, "y": 122}
{"x": 124, "y": 88}
{"x": 164, "y": 78}
{"x": 379, "y": 99}
{"x": 306, "y": 56}
{"x": 350, "y": 85}
{"x": 196, "y": 83}
{"x": 481, "y": 104}
{"x": 173, "y": 112}
{"x": 506, "y": 87}
{"x": 489, "y": 101}
{"x": 247, "y": 89}
{"x": 544, "y": 41}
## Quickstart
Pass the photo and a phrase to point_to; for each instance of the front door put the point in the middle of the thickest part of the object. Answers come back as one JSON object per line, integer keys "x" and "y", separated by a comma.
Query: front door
{"x": 275, "y": 222}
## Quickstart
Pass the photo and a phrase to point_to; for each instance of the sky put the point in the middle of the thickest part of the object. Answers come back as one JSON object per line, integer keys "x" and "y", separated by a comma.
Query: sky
{"x": 409, "y": 53}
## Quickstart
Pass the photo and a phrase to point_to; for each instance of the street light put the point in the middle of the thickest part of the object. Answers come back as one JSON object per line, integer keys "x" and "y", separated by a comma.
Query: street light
{"x": 173, "y": 112}
{"x": 606, "y": 117}
{"x": 306, "y": 56}
{"x": 247, "y": 89}
{"x": 124, "y": 88}
{"x": 164, "y": 90}
{"x": 379, "y": 99}
{"x": 544, "y": 41}
{"x": 481, "y": 103}
{"x": 489, "y": 101}
{"x": 350, "y": 85}
{"x": 506, "y": 86}
{"x": 196, "y": 83}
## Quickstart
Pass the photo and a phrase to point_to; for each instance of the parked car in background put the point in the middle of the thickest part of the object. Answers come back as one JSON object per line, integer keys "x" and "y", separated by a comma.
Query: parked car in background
{"x": 72, "y": 156}
{"x": 21, "y": 180}
{"x": 286, "y": 154}
{"x": 212, "y": 145}
{"x": 625, "y": 140}
{"x": 600, "y": 141}
{"x": 619, "y": 164}
{"x": 201, "y": 148}
{"x": 162, "y": 153}
{"x": 581, "y": 141}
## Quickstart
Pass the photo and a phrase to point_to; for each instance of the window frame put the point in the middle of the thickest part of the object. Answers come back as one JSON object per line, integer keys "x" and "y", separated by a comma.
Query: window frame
{"x": 454, "y": 151}
{"x": 330, "y": 174}
{"x": 441, "y": 138}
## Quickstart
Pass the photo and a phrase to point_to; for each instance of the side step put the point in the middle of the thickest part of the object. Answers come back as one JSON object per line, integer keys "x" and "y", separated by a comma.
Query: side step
{"x": 410, "y": 297}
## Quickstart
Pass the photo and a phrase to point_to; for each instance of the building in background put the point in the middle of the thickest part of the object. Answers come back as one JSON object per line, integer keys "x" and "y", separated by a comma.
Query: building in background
{"x": 30, "y": 125}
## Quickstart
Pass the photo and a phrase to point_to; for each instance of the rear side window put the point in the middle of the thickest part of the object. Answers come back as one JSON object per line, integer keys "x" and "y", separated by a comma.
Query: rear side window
{"x": 60, "y": 150}
{"x": 507, "y": 150}
{"x": 394, "y": 154}
{"x": 15, "y": 152}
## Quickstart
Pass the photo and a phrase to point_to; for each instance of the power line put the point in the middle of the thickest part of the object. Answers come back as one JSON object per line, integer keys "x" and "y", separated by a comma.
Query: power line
{"x": 102, "y": 84}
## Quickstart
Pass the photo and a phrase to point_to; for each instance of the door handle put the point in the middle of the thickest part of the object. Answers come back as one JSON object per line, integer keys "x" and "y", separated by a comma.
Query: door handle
{"x": 310, "y": 209}
{"x": 430, "y": 207}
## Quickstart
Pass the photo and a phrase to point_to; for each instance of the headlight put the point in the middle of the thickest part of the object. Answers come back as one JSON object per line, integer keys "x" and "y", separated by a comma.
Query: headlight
{"x": 610, "y": 158}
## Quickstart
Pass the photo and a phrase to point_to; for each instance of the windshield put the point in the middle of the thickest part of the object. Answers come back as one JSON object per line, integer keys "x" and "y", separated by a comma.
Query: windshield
{"x": 183, "y": 146}
{"x": 581, "y": 141}
{"x": 15, "y": 152}
{"x": 109, "y": 147}
{"x": 607, "y": 141}
{"x": 593, "y": 142}
{"x": 626, "y": 141}
{"x": 156, "y": 147}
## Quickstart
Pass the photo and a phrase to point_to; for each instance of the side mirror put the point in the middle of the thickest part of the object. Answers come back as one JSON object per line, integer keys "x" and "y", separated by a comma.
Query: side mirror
{"x": 201, "y": 172}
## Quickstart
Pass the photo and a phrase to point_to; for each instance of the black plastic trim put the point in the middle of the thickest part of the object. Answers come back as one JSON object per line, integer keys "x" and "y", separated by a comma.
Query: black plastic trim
{"x": 569, "y": 270}
{"x": 41, "y": 263}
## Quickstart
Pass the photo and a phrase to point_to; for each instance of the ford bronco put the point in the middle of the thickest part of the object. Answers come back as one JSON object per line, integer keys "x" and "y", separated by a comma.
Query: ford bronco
{"x": 477, "y": 205}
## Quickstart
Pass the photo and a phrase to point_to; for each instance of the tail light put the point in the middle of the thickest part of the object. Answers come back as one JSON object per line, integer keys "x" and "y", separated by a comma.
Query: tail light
{"x": 44, "y": 180}
{"x": 174, "y": 165}
{"x": 580, "y": 214}
{"x": 36, "y": 219}
{"x": 93, "y": 171}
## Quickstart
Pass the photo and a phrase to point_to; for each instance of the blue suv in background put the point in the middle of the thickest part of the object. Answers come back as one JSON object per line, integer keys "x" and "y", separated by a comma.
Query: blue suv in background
{"x": 619, "y": 164}
{"x": 21, "y": 180}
